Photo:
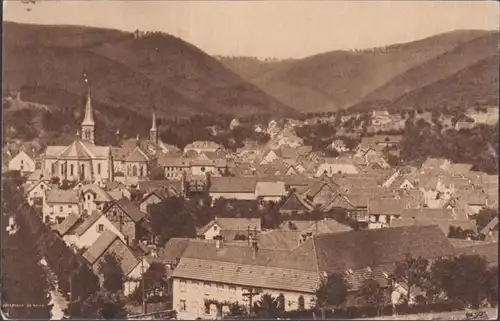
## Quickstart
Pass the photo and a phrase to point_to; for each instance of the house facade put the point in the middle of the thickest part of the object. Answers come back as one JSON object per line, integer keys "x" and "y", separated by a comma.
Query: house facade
{"x": 58, "y": 204}
{"x": 23, "y": 162}
{"x": 128, "y": 219}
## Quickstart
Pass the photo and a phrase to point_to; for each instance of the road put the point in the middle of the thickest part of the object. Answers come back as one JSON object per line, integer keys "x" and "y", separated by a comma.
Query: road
{"x": 455, "y": 315}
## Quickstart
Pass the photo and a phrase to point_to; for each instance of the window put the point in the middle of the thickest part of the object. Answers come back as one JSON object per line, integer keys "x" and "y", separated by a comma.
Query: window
{"x": 232, "y": 289}
{"x": 142, "y": 171}
{"x": 41, "y": 186}
{"x": 100, "y": 228}
{"x": 134, "y": 170}
{"x": 62, "y": 169}
{"x": 215, "y": 227}
{"x": 69, "y": 206}
{"x": 71, "y": 170}
{"x": 35, "y": 194}
{"x": 182, "y": 286}
{"x": 207, "y": 287}
{"x": 53, "y": 168}
{"x": 182, "y": 305}
{"x": 220, "y": 287}
{"x": 83, "y": 170}
{"x": 60, "y": 208}
{"x": 99, "y": 169}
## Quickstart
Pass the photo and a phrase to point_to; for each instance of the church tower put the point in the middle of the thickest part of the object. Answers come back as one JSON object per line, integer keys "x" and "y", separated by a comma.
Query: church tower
{"x": 88, "y": 124}
{"x": 153, "y": 132}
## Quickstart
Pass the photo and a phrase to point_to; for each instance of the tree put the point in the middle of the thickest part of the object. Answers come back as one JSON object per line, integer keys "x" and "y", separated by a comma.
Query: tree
{"x": 155, "y": 284}
{"x": 112, "y": 274}
{"x": 372, "y": 294}
{"x": 267, "y": 306}
{"x": 465, "y": 278}
{"x": 171, "y": 218}
{"x": 104, "y": 305}
{"x": 333, "y": 291}
{"x": 484, "y": 216}
{"x": 236, "y": 309}
{"x": 157, "y": 174}
{"x": 492, "y": 286}
{"x": 412, "y": 272}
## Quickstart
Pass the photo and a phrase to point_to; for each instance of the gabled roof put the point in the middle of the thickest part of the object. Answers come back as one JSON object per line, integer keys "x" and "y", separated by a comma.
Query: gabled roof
{"x": 88, "y": 222}
{"x": 39, "y": 175}
{"x": 298, "y": 203}
{"x": 76, "y": 151}
{"x": 130, "y": 209}
{"x": 233, "y": 184}
{"x": 490, "y": 226}
{"x": 137, "y": 155}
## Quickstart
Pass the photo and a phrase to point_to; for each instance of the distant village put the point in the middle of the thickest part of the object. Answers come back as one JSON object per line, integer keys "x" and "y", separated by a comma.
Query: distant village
{"x": 354, "y": 214}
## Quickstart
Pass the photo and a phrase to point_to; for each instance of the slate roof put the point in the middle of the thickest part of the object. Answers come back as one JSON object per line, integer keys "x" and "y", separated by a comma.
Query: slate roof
{"x": 75, "y": 151}
{"x": 97, "y": 249}
{"x": 100, "y": 194}
{"x": 355, "y": 278}
{"x": 387, "y": 206}
{"x": 38, "y": 175}
{"x": 62, "y": 196}
{"x": 358, "y": 249}
{"x": 68, "y": 224}
{"x": 173, "y": 250}
{"x": 279, "y": 239}
{"x": 233, "y": 184}
{"x": 132, "y": 210}
{"x": 137, "y": 156}
{"x": 488, "y": 250}
{"x": 250, "y": 275}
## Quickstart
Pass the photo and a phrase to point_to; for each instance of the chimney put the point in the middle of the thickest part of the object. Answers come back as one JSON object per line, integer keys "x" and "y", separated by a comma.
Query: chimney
{"x": 255, "y": 247}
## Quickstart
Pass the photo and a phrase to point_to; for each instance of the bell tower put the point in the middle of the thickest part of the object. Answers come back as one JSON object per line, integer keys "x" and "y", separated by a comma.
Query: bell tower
{"x": 88, "y": 124}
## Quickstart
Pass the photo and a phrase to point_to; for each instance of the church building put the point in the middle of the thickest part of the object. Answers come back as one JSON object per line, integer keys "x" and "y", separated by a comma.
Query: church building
{"x": 81, "y": 160}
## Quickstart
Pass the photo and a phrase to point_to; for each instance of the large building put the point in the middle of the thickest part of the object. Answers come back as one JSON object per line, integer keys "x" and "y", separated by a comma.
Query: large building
{"x": 82, "y": 159}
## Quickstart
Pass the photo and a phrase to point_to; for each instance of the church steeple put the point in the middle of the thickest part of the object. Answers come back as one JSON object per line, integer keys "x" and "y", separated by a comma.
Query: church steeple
{"x": 153, "y": 132}
{"x": 88, "y": 124}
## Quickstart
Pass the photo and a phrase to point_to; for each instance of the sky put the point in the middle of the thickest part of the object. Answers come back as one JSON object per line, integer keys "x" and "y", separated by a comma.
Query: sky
{"x": 279, "y": 29}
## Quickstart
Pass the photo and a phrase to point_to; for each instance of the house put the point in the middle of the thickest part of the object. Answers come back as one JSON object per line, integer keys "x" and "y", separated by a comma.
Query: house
{"x": 222, "y": 225}
{"x": 153, "y": 197}
{"x": 339, "y": 146}
{"x": 204, "y": 166}
{"x": 382, "y": 211}
{"x": 435, "y": 164}
{"x": 230, "y": 271}
{"x": 224, "y": 272}
{"x": 94, "y": 198}
{"x": 296, "y": 204}
{"x": 242, "y": 188}
{"x": 270, "y": 156}
{"x": 380, "y": 117}
{"x": 24, "y": 161}
{"x": 331, "y": 168}
{"x": 34, "y": 193}
{"x": 131, "y": 266}
{"x": 58, "y": 204}
{"x": 444, "y": 218}
{"x": 270, "y": 191}
{"x": 128, "y": 219}
{"x": 322, "y": 191}
{"x": 36, "y": 176}
{"x": 92, "y": 227}
{"x": 174, "y": 167}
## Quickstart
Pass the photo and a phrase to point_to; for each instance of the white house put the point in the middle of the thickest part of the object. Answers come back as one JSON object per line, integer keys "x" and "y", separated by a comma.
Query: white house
{"x": 269, "y": 157}
{"x": 58, "y": 204}
{"x": 332, "y": 169}
{"x": 203, "y": 146}
{"x": 92, "y": 227}
{"x": 23, "y": 162}
{"x": 231, "y": 271}
{"x": 94, "y": 198}
{"x": 36, "y": 191}
{"x": 219, "y": 225}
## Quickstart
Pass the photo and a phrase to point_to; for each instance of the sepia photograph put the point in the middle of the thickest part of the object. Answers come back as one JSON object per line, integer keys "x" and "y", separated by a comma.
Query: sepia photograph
{"x": 243, "y": 159}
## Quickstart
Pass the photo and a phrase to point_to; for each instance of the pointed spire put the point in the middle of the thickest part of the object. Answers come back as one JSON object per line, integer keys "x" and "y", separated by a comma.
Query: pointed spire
{"x": 77, "y": 134}
{"x": 153, "y": 125}
{"x": 89, "y": 115}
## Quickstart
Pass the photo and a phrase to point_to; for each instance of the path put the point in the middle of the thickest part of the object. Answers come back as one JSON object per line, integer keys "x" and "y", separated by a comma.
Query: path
{"x": 56, "y": 297}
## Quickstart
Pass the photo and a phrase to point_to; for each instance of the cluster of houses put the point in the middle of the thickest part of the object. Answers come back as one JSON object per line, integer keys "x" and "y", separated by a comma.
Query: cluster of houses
{"x": 398, "y": 210}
